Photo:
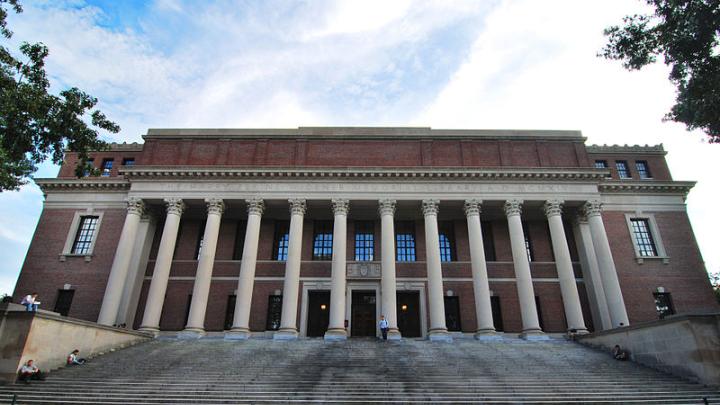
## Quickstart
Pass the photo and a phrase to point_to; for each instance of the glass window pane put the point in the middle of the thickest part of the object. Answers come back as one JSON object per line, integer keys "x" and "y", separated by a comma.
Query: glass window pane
{"x": 643, "y": 170}
{"x": 364, "y": 241}
{"x": 643, "y": 237}
{"x": 322, "y": 240}
{"x": 282, "y": 238}
{"x": 622, "y": 169}
{"x": 84, "y": 235}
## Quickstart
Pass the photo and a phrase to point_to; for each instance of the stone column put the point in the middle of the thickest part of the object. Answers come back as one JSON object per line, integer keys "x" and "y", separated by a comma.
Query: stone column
{"x": 591, "y": 274}
{"x": 481, "y": 288}
{"x": 195, "y": 327}
{"x": 288, "y": 318}
{"x": 523, "y": 279}
{"x": 243, "y": 301}
{"x": 608, "y": 273}
{"x": 563, "y": 263}
{"x": 336, "y": 326}
{"x": 118, "y": 272}
{"x": 438, "y": 330}
{"x": 161, "y": 272}
{"x": 388, "y": 286}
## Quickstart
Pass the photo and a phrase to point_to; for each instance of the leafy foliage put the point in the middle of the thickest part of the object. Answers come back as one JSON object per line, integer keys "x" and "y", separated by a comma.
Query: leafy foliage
{"x": 715, "y": 283}
{"x": 35, "y": 124}
{"x": 686, "y": 33}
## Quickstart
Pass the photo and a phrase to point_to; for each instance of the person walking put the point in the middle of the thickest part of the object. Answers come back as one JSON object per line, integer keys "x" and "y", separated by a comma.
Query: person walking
{"x": 383, "y": 326}
{"x": 30, "y": 301}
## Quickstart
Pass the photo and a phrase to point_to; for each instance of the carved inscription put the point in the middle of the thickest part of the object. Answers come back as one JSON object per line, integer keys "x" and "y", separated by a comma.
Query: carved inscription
{"x": 363, "y": 270}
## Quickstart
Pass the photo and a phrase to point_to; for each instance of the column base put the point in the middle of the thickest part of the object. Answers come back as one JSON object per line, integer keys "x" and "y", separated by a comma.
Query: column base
{"x": 576, "y": 332}
{"x": 487, "y": 335}
{"x": 394, "y": 334}
{"x": 534, "y": 335}
{"x": 439, "y": 335}
{"x": 191, "y": 333}
{"x": 237, "y": 334}
{"x": 285, "y": 334}
{"x": 335, "y": 334}
{"x": 150, "y": 329}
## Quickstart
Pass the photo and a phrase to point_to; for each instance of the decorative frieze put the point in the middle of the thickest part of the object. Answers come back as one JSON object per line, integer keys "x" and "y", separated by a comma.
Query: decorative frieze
{"x": 341, "y": 206}
{"x": 363, "y": 270}
{"x": 386, "y": 207}
{"x": 553, "y": 207}
{"x": 513, "y": 207}
{"x": 174, "y": 206}
{"x": 472, "y": 207}
{"x": 215, "y": 206}
{"x": 297, "y": 206}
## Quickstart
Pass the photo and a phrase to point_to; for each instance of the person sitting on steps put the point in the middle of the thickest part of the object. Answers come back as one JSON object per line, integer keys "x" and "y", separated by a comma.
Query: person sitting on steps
{"x": 619, "y": 354}
{"x": 73, "y": 359}
{"x": 29, "y": 371}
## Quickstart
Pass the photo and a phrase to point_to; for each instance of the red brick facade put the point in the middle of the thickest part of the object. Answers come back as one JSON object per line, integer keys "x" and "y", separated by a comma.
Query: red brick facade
{"x": 46, "y": 270}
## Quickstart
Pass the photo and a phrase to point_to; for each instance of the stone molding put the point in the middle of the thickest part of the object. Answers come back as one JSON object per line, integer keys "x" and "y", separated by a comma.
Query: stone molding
{"x": 675, "y": 187}
{"x": 215, "y": 206}
{"x": 341, "y": 206}
{"x": 255, "y": 206}
{"x": 472, "y": 207}
{"x": 84, "y": 184}
{"x": 386, "y": 207}
{"x": 553, "y": 207}
{"x": 633, "y": 149}
{"x": 175, "y": 206}
{"x": 513, "y": 207}
{"x": 592, "y": 208}
{"x": 430, "y": 207}
{"x": 297, "y": 206}
{"x": 135, "y": 206}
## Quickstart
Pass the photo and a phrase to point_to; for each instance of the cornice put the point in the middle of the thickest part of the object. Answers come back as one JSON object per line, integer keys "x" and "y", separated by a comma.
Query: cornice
{"x": 629, "y": 149}
{"x": 140, "y": 173}
{"x": 85, "y": 184}
{"x": 634, "y": 187}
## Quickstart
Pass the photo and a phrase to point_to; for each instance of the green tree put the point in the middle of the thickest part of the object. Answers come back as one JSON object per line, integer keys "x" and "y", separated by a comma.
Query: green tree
{"x": 34, "y": 124}
{"x": 686, "y": 34}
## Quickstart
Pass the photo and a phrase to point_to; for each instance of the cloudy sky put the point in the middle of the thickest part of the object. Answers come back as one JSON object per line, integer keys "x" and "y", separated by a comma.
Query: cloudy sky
{"x": 517, "y": 64}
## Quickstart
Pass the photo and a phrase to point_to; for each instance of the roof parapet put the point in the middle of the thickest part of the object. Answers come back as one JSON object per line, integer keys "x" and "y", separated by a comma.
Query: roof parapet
{"x": 634, "y": 149}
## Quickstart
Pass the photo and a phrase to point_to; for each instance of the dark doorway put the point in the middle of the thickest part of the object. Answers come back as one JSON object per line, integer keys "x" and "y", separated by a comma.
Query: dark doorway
{"x": 539, "y": 313}
{"x": 318, "y": 313}
{"x": 408, "y": 311}
{"x": 452, "y": 314}
{"x": 496, "y": 313}
{"x": 64, "y": 301}
{"x": 230, "y": 312}
{"x": 363, "y": 313}
{"x": 273, "y": 312}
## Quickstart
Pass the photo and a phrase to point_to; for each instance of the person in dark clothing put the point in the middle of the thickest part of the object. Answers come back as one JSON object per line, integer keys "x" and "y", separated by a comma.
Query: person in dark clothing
{"x": 30, "y": 371}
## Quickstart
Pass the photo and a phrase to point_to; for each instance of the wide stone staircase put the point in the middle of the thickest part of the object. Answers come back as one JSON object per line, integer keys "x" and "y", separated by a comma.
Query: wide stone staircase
{"x": 214, "y": 371}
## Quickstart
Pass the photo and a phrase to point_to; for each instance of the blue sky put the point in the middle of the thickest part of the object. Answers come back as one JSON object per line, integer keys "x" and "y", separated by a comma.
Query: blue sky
{"x": 520, "y": 64}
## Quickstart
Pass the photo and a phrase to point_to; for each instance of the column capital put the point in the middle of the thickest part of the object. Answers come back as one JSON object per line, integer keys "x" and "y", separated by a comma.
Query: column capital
{"x": 297, "y": 206}
{"x": 580, "y": 218}
{"x": 215, "y": 206}
{"x": 255, "y": 206}
{"x": 341, "y": 206}
{"x": 513, "y": 207}
{"x": 430, "y": 207}
{"x": 473, "y": 207}
{"x": 386, "y": 207}
{"x": 174, "y": 206}
{"x": 553, "y": 207}
{"x": 135, "y": 206}
{"x": 592, "y": 208}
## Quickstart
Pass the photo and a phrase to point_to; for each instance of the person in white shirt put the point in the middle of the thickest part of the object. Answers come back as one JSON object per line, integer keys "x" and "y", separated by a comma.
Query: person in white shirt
{"x": 29, "y": 371}
{"x": 383, "y": 324}
{"x": 73, "y": 358}
{"x": 30, "y": 301}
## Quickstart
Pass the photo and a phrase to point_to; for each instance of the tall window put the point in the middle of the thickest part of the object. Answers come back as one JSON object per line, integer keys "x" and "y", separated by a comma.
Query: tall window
{"x": 528, "y": 242}
{"x": 622, "y": 169}
{"x": 239, "y": 240}
{"x": 488, "y": 241}
{"x": 601, "y": 164}
{"x": 643, "y": 169}
{"x": 364, "y": 241}
{"x": 447, "y": 241}
{"x": 643, "y": 237}
{"x": 129, "y": 162}
{"x": 281, "y": 240}
{"x": 107, "y": 167}
{"x": 405, "y": 241}
{"x": 323, "y": 240}
{"x": 84, "y": 236}
{"x": 663, "y": 304}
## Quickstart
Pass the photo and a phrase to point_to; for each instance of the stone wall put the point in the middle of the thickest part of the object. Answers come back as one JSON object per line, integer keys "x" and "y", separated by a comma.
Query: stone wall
{"x": 48, "y": 339}
{"x": 687, "y": 346}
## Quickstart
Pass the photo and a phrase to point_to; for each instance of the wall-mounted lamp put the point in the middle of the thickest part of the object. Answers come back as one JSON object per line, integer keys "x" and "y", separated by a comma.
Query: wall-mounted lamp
{"x": 323, "y": 307}
{"x": 404, "y": 307}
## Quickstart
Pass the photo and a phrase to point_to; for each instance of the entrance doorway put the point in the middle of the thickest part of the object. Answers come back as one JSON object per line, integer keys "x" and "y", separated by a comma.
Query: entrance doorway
{"x": 363, "y": 313}
{"x": 318, "y": 313}
{"x": 408, "y": 313}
